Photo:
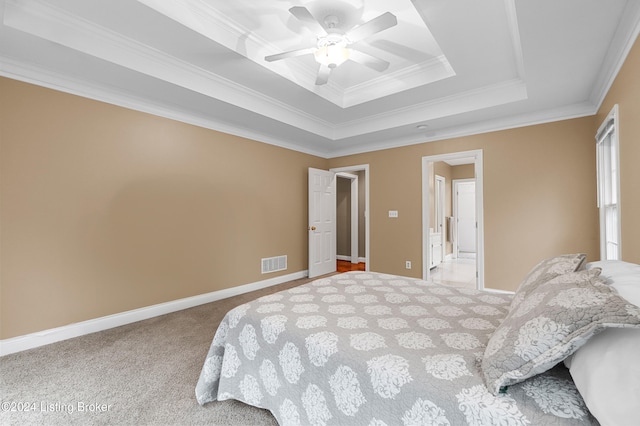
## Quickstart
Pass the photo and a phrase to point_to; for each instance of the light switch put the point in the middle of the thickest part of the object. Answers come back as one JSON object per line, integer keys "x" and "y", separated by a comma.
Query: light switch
{"x": 393, "y": 213}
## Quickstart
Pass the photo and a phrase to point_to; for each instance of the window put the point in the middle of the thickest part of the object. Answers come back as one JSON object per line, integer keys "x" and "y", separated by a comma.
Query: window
{"x": 609, "y": 186}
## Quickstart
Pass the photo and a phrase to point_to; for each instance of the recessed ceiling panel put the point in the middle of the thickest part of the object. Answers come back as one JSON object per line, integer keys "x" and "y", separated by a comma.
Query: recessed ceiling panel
{"x": 413, "y": 55}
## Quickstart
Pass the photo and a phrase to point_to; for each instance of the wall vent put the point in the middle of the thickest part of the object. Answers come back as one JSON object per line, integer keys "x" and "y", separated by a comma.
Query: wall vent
{"x": 274, "y": 264}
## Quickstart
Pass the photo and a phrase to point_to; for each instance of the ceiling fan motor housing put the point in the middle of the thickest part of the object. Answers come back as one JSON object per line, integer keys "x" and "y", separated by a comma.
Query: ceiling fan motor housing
{"x": 331, "y": 22}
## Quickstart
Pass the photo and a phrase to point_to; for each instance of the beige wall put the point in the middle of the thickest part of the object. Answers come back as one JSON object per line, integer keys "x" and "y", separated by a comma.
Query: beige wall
{"x": 463, "y": 171}
{"x": 625, "y": 92}
{"x": 539, "y": 192}
{"x": 105, "y": 209}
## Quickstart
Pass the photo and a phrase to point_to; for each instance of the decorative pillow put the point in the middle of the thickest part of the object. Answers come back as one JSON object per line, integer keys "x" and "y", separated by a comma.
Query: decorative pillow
{"x": 551, "y": 322}
{"x": 545, "y": 271}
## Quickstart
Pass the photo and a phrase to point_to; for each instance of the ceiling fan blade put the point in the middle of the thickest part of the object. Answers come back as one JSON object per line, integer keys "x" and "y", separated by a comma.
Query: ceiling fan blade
{"x": 381, "y": 23}
{"x": 368, "y": 60}
{"x": 290, "y": 54}
{"x": 323, "y": 75}
{"x": 304, "y": 16}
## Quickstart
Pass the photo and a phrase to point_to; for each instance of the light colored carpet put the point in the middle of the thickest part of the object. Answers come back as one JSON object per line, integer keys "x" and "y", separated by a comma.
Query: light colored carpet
{"x": 143, "y": 374}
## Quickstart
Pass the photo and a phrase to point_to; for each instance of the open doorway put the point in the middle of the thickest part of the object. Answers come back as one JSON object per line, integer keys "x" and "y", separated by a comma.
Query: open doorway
{"x": 351, "y": 218}
{"x": 448, "y": 259}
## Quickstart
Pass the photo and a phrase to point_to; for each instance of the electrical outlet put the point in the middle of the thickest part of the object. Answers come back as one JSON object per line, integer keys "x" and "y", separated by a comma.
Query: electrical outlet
{"x": 407, "y": 264}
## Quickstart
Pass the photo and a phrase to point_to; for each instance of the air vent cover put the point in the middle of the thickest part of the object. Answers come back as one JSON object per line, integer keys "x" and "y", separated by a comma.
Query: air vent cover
{"x": 274, "y": 264}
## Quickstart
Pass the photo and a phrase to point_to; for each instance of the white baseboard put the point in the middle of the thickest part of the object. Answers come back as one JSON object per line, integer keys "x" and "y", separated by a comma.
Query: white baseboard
{"x": 45, "y": 337}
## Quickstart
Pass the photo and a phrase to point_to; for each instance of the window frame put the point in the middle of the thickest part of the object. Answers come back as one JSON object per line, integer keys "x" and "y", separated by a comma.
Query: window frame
{"x": 608, "y": 135}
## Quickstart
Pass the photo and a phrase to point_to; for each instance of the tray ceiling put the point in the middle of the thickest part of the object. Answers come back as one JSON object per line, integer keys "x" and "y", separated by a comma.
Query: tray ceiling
{"x": 455, "y": 68}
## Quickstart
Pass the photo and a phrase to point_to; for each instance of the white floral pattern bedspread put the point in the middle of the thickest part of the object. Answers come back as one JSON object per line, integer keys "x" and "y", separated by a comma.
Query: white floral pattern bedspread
{"x": 373, "y": 349}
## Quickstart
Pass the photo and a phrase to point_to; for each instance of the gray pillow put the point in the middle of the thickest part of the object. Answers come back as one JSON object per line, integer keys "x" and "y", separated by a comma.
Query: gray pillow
{"x": 551, "y": 322}
{"x": 545, "y": 271}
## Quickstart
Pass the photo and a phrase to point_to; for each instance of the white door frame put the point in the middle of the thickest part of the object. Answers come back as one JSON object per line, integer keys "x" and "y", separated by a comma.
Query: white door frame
{"x": 454, "y": 188}
{"x": 353, "y": 213}
{"x": 365, "y": 169}
{"x": 439, "y": 200}
{"x": 427, "y": 163}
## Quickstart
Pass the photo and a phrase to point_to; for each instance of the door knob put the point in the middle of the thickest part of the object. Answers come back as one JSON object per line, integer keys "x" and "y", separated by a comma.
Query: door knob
{"x": 312, "y": 228}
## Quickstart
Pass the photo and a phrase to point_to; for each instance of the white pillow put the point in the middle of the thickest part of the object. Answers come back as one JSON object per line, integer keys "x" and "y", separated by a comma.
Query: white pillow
{"x": 624, "y": 276}
{"x": 606, "y": 370}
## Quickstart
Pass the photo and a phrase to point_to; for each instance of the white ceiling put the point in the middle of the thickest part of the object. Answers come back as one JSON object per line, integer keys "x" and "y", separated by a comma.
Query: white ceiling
{"x": 458, "y": 67}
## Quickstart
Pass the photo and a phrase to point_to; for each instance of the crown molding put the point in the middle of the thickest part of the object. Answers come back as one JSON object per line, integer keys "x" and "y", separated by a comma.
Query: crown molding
{"x": 28, "y": 73}
{"x": 471, "y": 100}
{"x": 437, "y": 69}
{"x": 16, "y": 70}
{"x": 56, "y": 25}
{"x": 623, "y": 40}
{"x": 578, "y": 110}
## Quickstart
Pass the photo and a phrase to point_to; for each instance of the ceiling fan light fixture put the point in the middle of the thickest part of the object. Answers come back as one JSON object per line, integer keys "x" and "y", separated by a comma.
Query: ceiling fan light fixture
{"x": 332, "y": 55}
{"x": 332, "y": 50}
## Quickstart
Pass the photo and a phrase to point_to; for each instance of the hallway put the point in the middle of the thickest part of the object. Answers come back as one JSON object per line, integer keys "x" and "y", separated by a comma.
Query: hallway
{"x": 346, "y": 266}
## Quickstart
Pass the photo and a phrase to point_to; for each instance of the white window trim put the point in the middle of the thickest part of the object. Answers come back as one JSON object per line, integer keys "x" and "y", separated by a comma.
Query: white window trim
{"x": 613, "y": 115}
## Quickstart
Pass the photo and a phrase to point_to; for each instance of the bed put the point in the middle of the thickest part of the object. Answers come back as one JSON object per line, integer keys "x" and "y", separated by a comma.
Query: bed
{"x": 364, "y": 348}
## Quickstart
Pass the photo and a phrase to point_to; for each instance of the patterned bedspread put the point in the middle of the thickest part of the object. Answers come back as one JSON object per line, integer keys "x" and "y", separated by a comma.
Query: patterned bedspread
{"x": 373, "y": 349}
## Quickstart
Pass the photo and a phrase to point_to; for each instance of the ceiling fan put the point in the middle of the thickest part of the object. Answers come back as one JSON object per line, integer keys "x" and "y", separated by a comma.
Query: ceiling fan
{"x": 333, "y": 47}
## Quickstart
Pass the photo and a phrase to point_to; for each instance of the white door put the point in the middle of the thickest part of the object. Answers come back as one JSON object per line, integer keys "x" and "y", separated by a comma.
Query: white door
{"x": 322, "y": 222}
{"x": 466, "y": 216}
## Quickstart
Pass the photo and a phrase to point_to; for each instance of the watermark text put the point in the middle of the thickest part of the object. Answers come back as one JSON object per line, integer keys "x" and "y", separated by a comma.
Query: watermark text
{"x": 55, "y": 407}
